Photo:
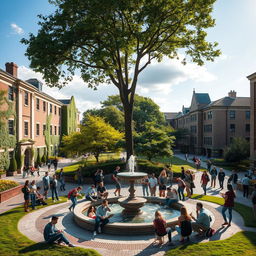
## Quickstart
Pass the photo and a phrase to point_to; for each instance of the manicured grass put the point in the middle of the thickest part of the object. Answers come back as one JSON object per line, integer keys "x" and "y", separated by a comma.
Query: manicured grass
{"x": 240, "y": 166}
{"x": 242, "y": 243}
{"x": 12, "y": 242}
{"x": 243, "y": 210}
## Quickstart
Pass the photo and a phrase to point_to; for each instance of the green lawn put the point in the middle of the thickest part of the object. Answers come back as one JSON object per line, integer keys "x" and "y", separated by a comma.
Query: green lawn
{"x": 12, "y": 242}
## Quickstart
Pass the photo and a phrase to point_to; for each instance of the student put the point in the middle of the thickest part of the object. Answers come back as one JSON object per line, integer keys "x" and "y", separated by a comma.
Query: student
{"x": 181, "y": 187}
{"x": 188, "y": 180}
{"x": 53, "y": 185}
{"x": 72, "y": 195}
{"x": 213, "y": 174}
{"x": 204, "y": 181}
{"x": 160, "y": 228}
{"x": 202, "y": 222}
{"x": 145, "y": 183}
{"x": 162, "y": 181}
{"x": 46, "y": 184}
{"x": 221, "y": 177}
{"x": 229, "y": 197}
{"x": 62, "y": 180}
{"x": 116, "y": 181}
{"x": 246, "y": 184}
{"x": 25, "y": 190}
{"x": 39, "y": 197}
{"x": 99, "y": 177}
{"x": 152, "y": 184}
{"x": 33, "y": 194}
{"x": 171, "y": 196}
{"x": 184, "y": 227}
{"x": 91, "y": 193}
{"x": 91, "y": 213}
{"x": 51, "y": 234}
{"x": 233, "y": 179}
{"x": 102, "y": 191}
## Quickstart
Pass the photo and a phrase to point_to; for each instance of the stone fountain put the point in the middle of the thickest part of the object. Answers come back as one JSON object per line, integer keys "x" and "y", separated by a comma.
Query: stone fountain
{"x": 131, "y": 204}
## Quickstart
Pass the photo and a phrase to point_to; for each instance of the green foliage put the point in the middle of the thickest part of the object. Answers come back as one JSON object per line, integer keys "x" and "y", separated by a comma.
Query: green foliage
{"x": 243, "y": 165}
{"x": 18, "y": 157}
{"x": 96, "y": 137}
{"x": 7, "y": 184}
{"x": 44, "y": 158}
{"x": 38, "y": 160}
{"x": 154, "y": 142}
{"x": 238, "y": 150}
{"x": 13, "y": 164}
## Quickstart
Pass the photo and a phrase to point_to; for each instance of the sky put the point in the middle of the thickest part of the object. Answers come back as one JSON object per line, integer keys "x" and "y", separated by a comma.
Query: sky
{"x": 169, "y": 83}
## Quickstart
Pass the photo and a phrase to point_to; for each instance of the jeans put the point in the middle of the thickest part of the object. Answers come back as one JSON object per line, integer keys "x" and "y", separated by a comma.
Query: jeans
{"x": 58, "y": 237}
{"x": 246, "y": 190}
{"x": 62, "y": 185}
{"x": 221, "y": 183}
{"x": 229, "y": 211}
{"x": 74, "y": 202}
{"x": 181, "y": 193}
{"x": 33, "y": 200}
{"x": 145, "y": 190}
{"x": 204, "y": 188}
{"x": 54, "y": 192}
{"x": 100, "y": 222}
{"x": 169, "y": 201}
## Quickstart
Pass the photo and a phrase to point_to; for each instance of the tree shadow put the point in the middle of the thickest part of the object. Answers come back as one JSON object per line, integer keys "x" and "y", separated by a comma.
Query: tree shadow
{"x": 37, "y": 247}
{"x": 11, "y": 212}
{"x": 57, "y": 215}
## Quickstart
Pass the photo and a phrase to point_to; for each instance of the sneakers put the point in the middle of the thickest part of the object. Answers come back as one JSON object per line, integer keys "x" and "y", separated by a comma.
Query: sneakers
{"x": 225, "y": 223}
{"x": 71, "y": 245}
{"x": 99, "y": 230}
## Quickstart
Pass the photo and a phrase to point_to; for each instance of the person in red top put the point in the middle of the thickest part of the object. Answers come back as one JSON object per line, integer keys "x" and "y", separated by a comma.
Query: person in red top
{"x": 72, "y": 195}
{"x": 160, "y": 228}
{"x": 229, "y": 197}
{"x": 204, "y": 181}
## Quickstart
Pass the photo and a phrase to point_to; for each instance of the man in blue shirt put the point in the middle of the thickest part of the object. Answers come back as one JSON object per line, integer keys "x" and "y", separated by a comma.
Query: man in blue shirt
{"x": 51, "y": 234}
{"x": 46, "y": 184}
{"x": 202, "y": 222}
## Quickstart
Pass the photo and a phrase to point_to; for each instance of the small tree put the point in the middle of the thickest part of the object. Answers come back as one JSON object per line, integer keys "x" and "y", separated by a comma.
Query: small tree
{"x": 13, "y": 164}
{"x": 238, "y": 150}
{"x": 43, "y": 160}
{"x": 38, "y": 160}
{"x": 95, "y": 137}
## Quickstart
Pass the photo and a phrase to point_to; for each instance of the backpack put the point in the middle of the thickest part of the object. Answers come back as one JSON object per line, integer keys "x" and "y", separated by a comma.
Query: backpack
{"x": 23, "y": 190}
{"x": 210, "y": 232}
{"x": 186, "y": 228}
{"x": 70, "y": 193}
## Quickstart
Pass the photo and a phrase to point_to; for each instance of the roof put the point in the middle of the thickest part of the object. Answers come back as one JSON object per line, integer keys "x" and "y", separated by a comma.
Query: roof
{"x": 170, "y": 115}
{"x": 66, "y": 101}
{"x": 231, "y": 102}
{"x": 202, "y": 98}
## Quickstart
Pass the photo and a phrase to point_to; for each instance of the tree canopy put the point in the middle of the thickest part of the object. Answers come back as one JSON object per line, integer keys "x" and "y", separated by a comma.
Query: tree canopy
{"x": 114, "y": 41}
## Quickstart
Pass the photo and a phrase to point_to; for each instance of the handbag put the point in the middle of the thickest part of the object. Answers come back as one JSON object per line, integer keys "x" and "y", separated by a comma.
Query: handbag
{"x": 192, "y": 185}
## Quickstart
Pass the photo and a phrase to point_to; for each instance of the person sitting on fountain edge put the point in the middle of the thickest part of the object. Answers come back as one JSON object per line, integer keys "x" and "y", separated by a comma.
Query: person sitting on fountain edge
{"x": 91, "y": 194}
{"x": 101, "y": 217}
{"x": 102, "y": 191}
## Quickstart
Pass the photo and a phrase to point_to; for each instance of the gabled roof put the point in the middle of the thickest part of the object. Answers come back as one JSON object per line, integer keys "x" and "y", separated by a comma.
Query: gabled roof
{"x": 202, "y": 98}
{"x": 231, "y": 102}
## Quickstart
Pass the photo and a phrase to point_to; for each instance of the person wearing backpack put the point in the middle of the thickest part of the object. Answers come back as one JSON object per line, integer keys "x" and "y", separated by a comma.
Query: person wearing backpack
{"x": 254, "y": 201}
{"x": 26, "y": 191}
{"x": 204, "y": 181}
{"x": 184, "y": 227}
{"x": 72, "y": 195}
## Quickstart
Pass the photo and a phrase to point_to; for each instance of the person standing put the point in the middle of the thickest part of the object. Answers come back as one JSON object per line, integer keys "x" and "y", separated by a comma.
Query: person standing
{"x": 152, "y": 184}
{"x": 99, "y": 177}
{"x": 213, "y": 174}
{"x": 33, "y": 189}
{"x": 204, "y": 181}
{"x": 254, "y": 201}
{"x": 62, "y": 180}
{"x": 25, "y": 190}
{"x": 116, "y": 181}
{"x": 209, "y": 165}
{"x": 145, "y": 183}
{"x": 169, "y": 176}
{"x": 162, "y": 181}
{"x": 188, "y": 182}
{"x": 46, "y": 184}
{"x": 55, "y": 164}
{"x": 221, "y": 177}
{"x": 233, "y": 179}
{"x": 181, "y": 187}
{"x": 49, "y": 165}
{"x": 72, "y": 195}
{"x": 229, "y": 198}
{"x": 54, "y": 184}
{"x": 51, "y": 234}
{"x": 246, "y": 184}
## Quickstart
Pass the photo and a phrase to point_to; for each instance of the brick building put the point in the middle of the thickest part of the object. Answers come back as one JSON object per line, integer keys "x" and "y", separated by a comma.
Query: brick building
{"x": 36, "y": 123}
{"x": 209, "y": 126}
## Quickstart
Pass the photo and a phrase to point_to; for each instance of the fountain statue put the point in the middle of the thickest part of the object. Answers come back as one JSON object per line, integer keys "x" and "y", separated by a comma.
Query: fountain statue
{"x": 131, "y": 204}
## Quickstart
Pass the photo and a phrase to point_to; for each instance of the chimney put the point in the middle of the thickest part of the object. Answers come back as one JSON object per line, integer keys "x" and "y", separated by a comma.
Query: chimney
{"x": 232, "y": 94}
{"x": 11, "y": 68}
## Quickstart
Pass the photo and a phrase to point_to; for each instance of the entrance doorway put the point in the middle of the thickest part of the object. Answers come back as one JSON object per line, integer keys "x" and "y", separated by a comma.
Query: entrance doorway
{"x": 27, "y": 157}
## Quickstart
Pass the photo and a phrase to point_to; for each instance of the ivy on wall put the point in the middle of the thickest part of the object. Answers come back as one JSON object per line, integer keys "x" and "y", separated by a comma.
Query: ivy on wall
{"x": 6, "y": 141}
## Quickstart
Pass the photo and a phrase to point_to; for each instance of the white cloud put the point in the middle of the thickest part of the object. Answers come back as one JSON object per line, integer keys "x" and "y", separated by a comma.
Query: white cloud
{"x": 16, "y": 29}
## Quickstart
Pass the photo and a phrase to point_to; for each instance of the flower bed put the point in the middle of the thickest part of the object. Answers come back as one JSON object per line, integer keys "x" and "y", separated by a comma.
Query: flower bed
{"x": 9, "y": 189}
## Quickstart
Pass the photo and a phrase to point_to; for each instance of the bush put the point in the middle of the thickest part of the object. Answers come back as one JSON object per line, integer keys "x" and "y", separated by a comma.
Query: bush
{"x": 43, "y": 160}
{"x": 13, "y": 164}
{"x": 7, "y": 184}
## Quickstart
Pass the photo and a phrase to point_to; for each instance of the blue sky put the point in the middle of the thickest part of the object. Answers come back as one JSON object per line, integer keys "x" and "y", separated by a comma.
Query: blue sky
{"x": 168, "y": 83}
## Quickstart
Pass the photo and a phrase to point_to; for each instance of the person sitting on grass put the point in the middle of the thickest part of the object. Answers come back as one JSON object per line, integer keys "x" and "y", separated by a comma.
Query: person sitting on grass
{"x": 39, "y": 197}
{"x": 53, "y": 235}
{"x": 101, "y": 191}
{"x": 91, "y": 194}
{"x": 160, "y": 228}
{"x": 202, "y": 222}
{"x": 91, "y": 213}
{"x": 171, "y": 196}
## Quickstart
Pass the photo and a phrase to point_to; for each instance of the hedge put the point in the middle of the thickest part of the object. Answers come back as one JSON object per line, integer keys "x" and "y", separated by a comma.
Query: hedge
{"x": 7, "y": 184}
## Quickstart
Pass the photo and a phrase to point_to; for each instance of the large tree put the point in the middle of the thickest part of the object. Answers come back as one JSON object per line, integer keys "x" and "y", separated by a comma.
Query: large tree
{"x": 114, "y": 41}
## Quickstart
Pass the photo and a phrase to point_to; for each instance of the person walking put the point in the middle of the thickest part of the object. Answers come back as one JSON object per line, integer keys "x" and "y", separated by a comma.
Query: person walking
{"x": 152, "y": 184}
{"x": 99, "y": 177}
{"x": 229, "y": 198}
{"x": 72, "y": 195}
{"x": 62, "y": 180}
{"x": 204, "y": 181}
{"x": 46, "y": 184}
{"x": 221, "y": 177}
{"x": 54, "y": 185}
{"x": 33, "y": 189}
{"x": 188, "y": 180}
{"x": 209, "y": 165}
{"x": 213, "y": 174}
{"x": 55, "y": 164}
{"x": 25, "y": 190}
{"x": 181, "y": 187}
{"x": 145, "y": 184}
{"x": 233, "y": 179}
{"x": 116, "y": 181}
{"x": 246, "y": 184}
{"x": 49, "y": 163}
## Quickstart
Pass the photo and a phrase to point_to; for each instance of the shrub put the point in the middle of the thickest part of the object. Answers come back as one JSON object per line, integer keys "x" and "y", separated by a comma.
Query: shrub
{"x": 7, "y": 184}
{"x": 43, "y": 160}
{"x": 13, "y": 164}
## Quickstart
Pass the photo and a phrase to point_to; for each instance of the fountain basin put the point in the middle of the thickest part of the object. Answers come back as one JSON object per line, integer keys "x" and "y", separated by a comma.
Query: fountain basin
{"x": 132, "y": 175}
{"x": 121, "y": 228}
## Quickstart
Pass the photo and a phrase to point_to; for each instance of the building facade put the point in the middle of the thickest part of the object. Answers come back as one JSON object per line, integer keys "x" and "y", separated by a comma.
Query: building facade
{"x": 36, "y": 122}
{"x": 209, "y": 127}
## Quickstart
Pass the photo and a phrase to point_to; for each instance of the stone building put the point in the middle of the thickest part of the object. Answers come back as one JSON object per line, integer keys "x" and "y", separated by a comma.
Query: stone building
{"x": 36, "y": 122}
{"x": 210, "y": 126}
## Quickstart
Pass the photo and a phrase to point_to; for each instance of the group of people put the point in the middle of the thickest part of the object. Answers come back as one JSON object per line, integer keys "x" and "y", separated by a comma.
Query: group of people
{"x": 31, "y": 170}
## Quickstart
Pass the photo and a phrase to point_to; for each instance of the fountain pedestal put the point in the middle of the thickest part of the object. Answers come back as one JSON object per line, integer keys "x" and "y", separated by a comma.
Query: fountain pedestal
{"x": 132, "y": 204}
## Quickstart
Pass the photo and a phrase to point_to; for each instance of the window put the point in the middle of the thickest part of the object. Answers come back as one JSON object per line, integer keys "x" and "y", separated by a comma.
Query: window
{"x": 44, "y": 106}
{"x": 26, "y": 128}
{"x": 209, "y": 115}
{"x": 193, "y": 117}
{"x": 247, "y": 127}
{"x": 232, "y": 127}
{"x": 193, "y": 129}
{"x": 55, "y": 130}
{"x": 51, "y": 130}
{"x": 232, "y": 114}
{"x": 207, "y": 140}
{"x": 37, "y": 104}
{"x": 11, "y": 127}
{"x": 50, "y": 108}
{"x": 208, "y": 128}
{"x": 44, "y": 128}
{"x": 10, "y": 93}
{"x": 193, "y": 140}
{"x": 247, "y": 115}
{"x": 26, "y": 98}
{"x": 37, "y": 129}
{"x": 55, "y": 110}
